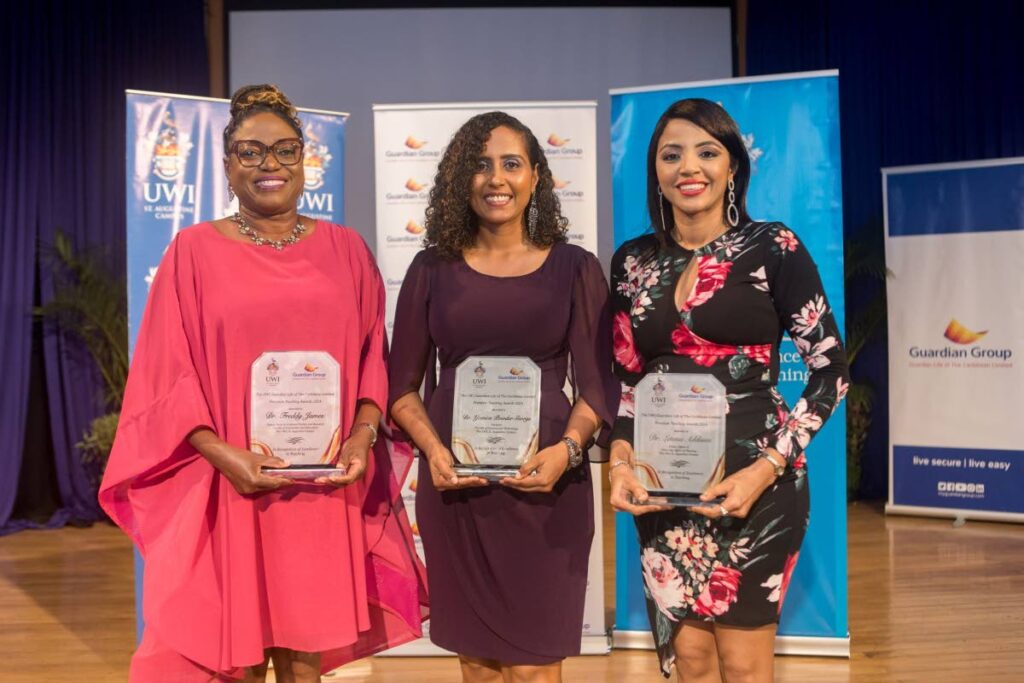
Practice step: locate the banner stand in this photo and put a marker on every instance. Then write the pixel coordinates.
(409, 140)
(954, 241)
(174, 178)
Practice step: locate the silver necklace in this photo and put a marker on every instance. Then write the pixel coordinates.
(260, 240)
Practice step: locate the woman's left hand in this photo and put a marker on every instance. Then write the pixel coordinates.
(540, 473)
(355, 453)
(741, 491)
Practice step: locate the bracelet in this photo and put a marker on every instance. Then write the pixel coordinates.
(368, 426)
(575, 452)
(616, 464)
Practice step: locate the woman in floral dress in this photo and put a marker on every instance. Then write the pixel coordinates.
(711, 291)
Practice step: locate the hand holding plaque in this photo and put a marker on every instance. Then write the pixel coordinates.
(679, 437)
(295, 406)
(496, 417)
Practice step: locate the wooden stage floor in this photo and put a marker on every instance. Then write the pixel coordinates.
(928, 602)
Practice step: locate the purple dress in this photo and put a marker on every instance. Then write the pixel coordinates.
(507, 570)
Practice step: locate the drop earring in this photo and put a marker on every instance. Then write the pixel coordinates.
(732, 214)
(531, 219)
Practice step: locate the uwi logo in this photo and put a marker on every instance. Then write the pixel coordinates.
(272, 369)
(659, 393)
(316, 160)
(170, 154)
(480, 371)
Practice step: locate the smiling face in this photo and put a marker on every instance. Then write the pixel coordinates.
(270, 188)
(693, 170)
(504, 180)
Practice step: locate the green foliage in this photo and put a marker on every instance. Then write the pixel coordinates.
(90, 305)
(866, 272)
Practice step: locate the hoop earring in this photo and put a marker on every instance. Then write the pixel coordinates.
(732, 214)
(661, 209)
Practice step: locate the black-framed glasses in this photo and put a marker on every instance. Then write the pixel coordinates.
(288, 151)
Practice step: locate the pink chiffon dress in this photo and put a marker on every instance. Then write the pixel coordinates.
(310, 568)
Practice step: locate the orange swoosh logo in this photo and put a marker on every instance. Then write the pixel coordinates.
(958, 334)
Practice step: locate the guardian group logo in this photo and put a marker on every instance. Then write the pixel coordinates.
(412, 192)
(559, 147)
(565, 191)
(964, 351)
(413, 148)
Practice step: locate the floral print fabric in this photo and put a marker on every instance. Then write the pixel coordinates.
(752, 285)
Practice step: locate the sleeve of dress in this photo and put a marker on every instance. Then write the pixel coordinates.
(164, 399)
(629, 366)
(412, 346)
(590, 344)
(373, 371)
(804, 311)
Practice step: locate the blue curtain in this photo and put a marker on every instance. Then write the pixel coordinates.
(65, 70)
(919, 83)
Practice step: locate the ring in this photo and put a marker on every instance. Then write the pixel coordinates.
(723, 511)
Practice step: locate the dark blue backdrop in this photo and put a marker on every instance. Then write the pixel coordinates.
(64, 70)
(919, 82)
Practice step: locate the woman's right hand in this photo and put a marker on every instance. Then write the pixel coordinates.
(242, 469)
(626, 489)
(444, 477)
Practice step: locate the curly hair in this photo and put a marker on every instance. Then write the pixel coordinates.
(254, 99)
(717, 122)
(451, 224)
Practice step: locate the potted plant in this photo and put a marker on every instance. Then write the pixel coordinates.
(90, 305)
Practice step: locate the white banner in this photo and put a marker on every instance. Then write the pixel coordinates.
(954, 244)
(408, 143)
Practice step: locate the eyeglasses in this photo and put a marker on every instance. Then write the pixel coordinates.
(288, 151)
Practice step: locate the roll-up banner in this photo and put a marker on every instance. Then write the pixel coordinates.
(790, 124)
(954, 243)
(409, 140)
(174, 172)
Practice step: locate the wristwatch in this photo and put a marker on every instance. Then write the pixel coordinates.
(575, 452)
(779, 469)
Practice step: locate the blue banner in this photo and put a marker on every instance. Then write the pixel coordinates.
(954, 244)
(174, 172)
(791, 128)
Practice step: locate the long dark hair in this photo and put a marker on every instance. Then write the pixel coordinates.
(717, 122)
(451, 224)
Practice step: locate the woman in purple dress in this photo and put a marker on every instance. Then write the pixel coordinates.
(507, 563)
(712, 291)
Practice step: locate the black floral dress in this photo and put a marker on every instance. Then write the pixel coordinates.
(753, 283)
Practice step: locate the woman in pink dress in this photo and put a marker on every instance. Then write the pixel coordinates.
(240, 565)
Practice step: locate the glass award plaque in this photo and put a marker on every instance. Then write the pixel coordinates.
(679, 437)
(496, 418)
(295, 405)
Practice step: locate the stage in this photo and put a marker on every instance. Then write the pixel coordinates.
(928, 602)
